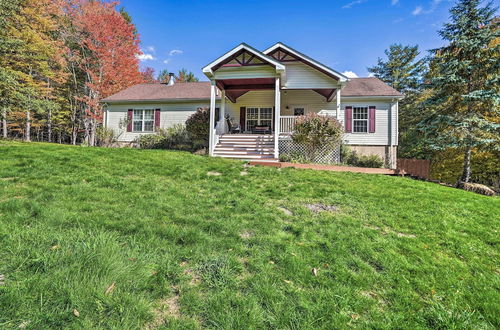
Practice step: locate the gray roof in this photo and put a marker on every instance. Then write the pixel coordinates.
(355, 87)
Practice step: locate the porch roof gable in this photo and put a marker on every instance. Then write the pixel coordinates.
(308, 60)
(208, 70)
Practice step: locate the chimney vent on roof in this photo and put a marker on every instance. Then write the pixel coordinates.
(171, 79)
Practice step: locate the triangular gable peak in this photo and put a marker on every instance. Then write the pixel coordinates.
(242, 56)
(283, 53)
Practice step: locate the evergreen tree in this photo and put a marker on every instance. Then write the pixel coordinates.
(185, 76)
(463, 106)
(403, 70)
(163, 76)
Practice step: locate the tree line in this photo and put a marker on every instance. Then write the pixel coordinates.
(58, 59)
(451, 110)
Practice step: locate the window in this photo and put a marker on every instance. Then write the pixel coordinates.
(258, 116)
(144, 120)
(298, 111)
(360, 119)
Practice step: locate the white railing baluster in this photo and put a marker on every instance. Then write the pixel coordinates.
(287, 124)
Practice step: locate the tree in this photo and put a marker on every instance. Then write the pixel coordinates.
(197, 126)
(463, 108)
(185, 76)
(404, 72)
(148, 75)
(163, 76)
(108, 50)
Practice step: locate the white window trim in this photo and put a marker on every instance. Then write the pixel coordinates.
(258, 107)
(142, 121)
(367, 119)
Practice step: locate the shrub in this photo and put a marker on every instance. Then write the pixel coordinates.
(314, 131)
(106, 137)
(176, 137)
(197, 125)
(151, 141)
(477, 188)
(351, 157)
(294, 157)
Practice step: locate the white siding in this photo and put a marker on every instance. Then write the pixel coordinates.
(300, 75)
(245, 72)
(170, 114)
(313, 102)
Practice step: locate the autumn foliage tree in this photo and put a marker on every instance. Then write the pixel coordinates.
(108, 49)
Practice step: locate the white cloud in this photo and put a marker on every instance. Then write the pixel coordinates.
(417, 11)
(166, 61)
(175, 52)
(355, 2)
(350, 74)
(151, 49)
(394, 2)
(145, 57)
(371, 74)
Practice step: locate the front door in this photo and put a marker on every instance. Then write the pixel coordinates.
(258, 116)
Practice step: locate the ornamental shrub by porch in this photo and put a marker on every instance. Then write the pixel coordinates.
(315, 131)
(197, 126)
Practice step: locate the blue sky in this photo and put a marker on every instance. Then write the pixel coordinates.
(347, 35)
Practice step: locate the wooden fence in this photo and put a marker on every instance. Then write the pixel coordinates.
(414, 167)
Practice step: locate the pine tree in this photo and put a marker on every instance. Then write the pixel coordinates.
(463, 108)
(185, 76)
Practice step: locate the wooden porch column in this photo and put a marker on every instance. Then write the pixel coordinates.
(211, 137)
(223, 110)
(338, 103)
(277, 109)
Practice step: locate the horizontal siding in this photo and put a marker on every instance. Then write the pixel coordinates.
(300, 75)
(381, 135)
(170, 115)
(257, 71)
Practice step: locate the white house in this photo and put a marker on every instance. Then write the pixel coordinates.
(263, 93)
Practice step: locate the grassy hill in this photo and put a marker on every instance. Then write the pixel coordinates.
(125, 238)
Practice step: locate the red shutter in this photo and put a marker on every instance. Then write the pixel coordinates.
(348, 119)
(130, 118)
(157, 118)
(371, 119)
(243, 111)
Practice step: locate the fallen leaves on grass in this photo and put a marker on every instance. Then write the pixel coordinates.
(76, 312)
(110, 288)
(54, 247)
(246, 235)
(166, 308)
(314, 271)
(2, 279)
(387, 230)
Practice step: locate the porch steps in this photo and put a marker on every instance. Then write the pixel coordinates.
(245, 146)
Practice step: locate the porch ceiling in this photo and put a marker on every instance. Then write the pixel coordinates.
(237, 87)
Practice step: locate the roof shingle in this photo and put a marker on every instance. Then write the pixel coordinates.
(201, 90)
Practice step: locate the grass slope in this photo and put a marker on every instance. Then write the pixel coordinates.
(185, 249)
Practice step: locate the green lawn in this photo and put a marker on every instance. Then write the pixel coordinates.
(189, 249)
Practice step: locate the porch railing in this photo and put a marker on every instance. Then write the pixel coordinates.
(287, 124)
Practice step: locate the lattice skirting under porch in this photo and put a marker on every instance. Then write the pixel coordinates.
(325, 154)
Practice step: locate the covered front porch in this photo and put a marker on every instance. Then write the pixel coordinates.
(257, 96)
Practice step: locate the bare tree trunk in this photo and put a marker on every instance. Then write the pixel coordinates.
(466, 167)
(92, 133)
(49, 125)
(27, 133)
(4, 123)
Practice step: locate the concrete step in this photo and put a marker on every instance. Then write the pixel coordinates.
(227, 148)
(242, 152)
(252, 157)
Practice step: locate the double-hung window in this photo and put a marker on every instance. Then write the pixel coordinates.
(360, 120)
(144, 120)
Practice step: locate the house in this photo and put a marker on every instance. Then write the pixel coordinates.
(263, 92)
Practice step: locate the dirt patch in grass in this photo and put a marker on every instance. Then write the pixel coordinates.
(317, 208)
(166, 308)
(285, 210)
(195, 278)
(246, 235)
(2, 279)
(8, 179)
(214, 173)
(243, 173)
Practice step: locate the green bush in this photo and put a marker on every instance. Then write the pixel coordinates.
(106, 136)
(294, 157)
(176, 138)
(351, 158)
(151, 141)
(315, 131)
(197, 126)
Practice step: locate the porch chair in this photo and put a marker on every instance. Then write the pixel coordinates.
(233, 128)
